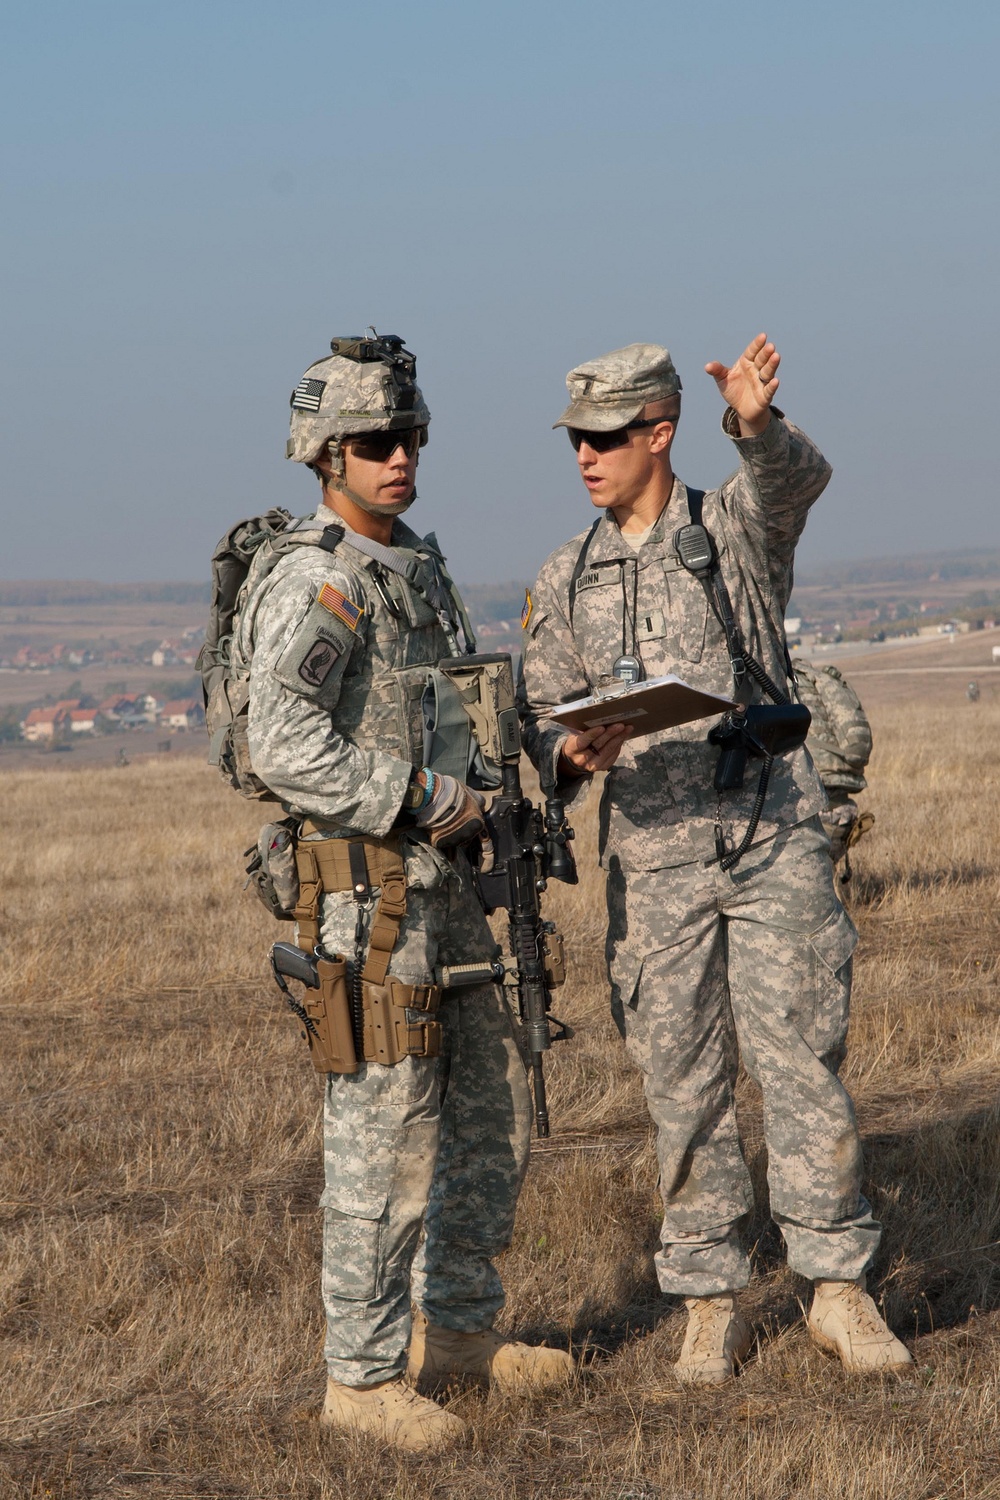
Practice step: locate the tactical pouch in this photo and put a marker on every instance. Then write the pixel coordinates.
(484, 686)
(331, 1044)
(272, 869)
(554, 960)
(390, 1032)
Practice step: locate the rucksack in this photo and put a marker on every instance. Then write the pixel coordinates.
(258, 542)
(840, 739)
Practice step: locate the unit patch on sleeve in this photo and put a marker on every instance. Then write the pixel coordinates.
(526, 609)
(338, 604)
(318, 662)
(308, 394)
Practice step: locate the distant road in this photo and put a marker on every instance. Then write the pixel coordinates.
(965, 671)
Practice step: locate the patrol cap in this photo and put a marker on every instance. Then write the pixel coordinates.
(611, 391)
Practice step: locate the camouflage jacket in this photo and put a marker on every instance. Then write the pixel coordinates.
(338, 650)
(660, 807)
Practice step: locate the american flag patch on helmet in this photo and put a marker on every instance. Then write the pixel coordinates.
(338, 604)
(308, 394)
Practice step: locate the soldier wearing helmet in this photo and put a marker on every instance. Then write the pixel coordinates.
(431, 1131)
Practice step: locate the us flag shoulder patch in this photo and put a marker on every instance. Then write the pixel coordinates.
(338, 604)
(526, 609)
(308, 394)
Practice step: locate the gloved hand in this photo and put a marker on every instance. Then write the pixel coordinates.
(454, 815)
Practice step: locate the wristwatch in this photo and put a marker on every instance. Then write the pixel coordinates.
(415, 795)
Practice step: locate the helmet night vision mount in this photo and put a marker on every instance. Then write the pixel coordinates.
(387, 349)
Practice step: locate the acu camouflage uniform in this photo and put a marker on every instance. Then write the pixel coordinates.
(706, 966)
(438, 1143)
(840, 743)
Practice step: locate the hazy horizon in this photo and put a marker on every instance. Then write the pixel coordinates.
(946, 564)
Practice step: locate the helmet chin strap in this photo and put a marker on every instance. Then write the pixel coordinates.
(337, 480)
(396, 508)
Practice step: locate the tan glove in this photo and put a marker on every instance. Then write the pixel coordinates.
(454, 815)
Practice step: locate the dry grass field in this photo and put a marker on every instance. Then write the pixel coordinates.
(160, 1324)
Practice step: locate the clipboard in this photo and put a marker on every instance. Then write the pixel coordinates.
(659, 703)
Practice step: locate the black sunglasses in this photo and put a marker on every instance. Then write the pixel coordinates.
(603, 442)
(378, 447)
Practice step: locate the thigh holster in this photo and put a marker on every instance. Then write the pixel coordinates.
(395, 1021)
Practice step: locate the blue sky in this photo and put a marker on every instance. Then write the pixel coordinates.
(196, 197)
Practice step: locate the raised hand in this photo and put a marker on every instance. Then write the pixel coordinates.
(749, 385)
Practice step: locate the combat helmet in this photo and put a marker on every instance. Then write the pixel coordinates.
(365, 385)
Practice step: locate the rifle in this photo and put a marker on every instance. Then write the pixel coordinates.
(529, 850)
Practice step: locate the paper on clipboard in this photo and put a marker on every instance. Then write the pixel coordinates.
(659, 703)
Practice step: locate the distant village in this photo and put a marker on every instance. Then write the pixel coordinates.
(46, 722)
(176, 653)
(71, 717)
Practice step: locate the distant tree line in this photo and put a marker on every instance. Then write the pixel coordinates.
(28, 592)
(486, 601)
(922, 567)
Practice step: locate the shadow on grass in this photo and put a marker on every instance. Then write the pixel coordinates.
(870, 890)
(934, 1186)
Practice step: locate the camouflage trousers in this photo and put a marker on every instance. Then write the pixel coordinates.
(439, 1144)
(708, 968)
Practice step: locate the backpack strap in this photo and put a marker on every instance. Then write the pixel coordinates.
(581, 563)
(696, 501)
(443, 597)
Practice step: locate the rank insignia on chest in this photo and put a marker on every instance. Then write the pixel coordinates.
(526, 609)
(338, 604)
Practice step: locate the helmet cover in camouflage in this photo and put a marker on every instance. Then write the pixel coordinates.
(611, 391)
(339, 397)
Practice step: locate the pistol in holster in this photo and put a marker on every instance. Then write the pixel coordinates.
(389, 1029)
(353, 1013)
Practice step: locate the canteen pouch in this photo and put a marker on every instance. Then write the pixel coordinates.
(272, 871)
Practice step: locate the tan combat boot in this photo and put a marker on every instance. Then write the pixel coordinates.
(438, 1353)
(393, 1413)
(717, 1339)
(844, 1320)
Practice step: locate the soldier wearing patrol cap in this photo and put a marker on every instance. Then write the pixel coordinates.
(725, 937)
(339, 638)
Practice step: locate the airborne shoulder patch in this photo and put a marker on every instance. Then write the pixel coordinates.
(526, 609)
(339, 605)
(318, 662)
